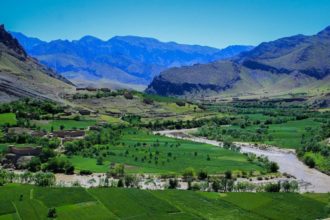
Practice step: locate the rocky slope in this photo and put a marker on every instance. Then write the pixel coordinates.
(120, 61)
(23, 76)
(287, 65)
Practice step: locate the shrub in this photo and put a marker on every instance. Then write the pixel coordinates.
(202, 175)
(309, 161)
(180, 103)
(128, 95)
(51, 213)
(189, 173)
(172, 183)
(85, 172)
(228, 174)
(273, 167)
(195, 187)
(148, 101)
(272, 187)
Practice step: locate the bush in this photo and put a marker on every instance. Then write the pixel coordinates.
(273, 167)
(180, 103)
(128, 95)
(228, 174)
(120, 183)
(189, 173)
(51, 213)
(85, 172)
(272, 187)
(148, 101)
(202, 175)
(173, 183)
(195, 187)
(309, 161)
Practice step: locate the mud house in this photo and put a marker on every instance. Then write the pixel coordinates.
(18, 157)
(68, 134)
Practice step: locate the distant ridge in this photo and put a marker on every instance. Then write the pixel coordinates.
(288, 65)
(121, 60)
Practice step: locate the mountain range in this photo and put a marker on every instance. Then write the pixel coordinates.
(297, 64)
(23, 76)
(122, 61)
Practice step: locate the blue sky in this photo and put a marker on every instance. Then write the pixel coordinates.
(216, 23)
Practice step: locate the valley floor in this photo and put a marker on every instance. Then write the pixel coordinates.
(311, 180)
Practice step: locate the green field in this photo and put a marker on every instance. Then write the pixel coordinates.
(143, 152)
(288, 135)
(285, 135)
(8, 118)
(68, 124)
(83, 163)
(116, 203)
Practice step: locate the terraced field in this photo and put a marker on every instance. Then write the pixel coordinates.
(30, 202)
(68, 124)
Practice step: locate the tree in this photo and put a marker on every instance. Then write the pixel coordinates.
(62, 127)
(216, 185)
(120, 183)
(272, 187)
(52, 213)
(99, 161)
(34, 164)
(273, 167)
(309, 161)
(117, 171)
(228, 174)
(189, 173)
(202, 175)
(44, 179)
(290, 186)
(172, 183)
(129, 180)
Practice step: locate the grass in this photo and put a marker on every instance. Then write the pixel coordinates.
(288, 135)
(90, 210)
(271, 205)
(8, 118)
(322, 163)
(83, 163)
(285, 135)
(128, 203)
(169, 156)
(118, 203)
(62, 196)
(68, 124)
(111, 120)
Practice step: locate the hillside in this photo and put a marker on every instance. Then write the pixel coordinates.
(23, 76)
(122, 61)
(288, 65)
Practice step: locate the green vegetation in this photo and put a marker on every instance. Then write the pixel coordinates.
(285, 125)
(143, 152)
(8, 119)
(66, 124)
(31, 202)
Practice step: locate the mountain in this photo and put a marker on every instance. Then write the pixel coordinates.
(128, 60)
(23, 76)
(287, 65)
